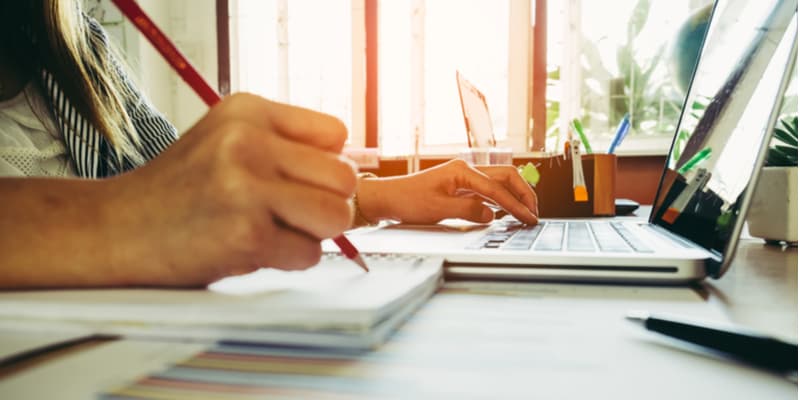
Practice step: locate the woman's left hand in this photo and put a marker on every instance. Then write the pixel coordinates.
(450, 190)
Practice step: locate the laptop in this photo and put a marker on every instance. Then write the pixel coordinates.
(475, 110)
(703, 194)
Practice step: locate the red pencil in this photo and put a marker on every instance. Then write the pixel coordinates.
(200, 86)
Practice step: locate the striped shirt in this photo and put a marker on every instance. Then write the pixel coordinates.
(89, 149)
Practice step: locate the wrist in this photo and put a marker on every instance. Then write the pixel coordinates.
(370, 201)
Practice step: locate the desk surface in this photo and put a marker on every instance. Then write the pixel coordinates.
(448, 349)
(760, 289)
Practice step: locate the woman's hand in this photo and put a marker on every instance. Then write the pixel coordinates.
(450, 190)
(253, 183)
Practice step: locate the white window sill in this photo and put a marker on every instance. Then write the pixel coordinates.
(631, 147)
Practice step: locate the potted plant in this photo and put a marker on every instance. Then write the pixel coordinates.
(773, 211)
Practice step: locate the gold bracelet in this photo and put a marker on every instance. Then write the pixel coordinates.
(358, 217)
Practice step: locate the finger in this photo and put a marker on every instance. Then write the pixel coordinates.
(511, 178)
(480, 183)
(299, 124)
(306, 164)
(291, 250)
(316, 212)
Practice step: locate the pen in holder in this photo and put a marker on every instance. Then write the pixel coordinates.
(580, 194)
(556, 190)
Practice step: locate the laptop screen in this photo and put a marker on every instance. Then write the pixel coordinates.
(476, 114)
(723, 131)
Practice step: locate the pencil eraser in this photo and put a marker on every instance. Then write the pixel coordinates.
(530, 174)
(670, 215)
(581, 194)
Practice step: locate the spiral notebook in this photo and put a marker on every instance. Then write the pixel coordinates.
(334, 304)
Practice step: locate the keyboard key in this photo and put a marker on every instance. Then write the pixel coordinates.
(494, 237)
(579, 238)
(608, 239)
(551, 237)
(635, 242)
(524, 238)
(477, 245)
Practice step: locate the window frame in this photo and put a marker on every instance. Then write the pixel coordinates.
(526, 63)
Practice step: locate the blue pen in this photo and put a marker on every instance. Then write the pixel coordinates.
(622, 130)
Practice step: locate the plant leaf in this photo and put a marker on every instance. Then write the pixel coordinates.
(776, 158)
(788, 150)
(784, 137)
(791, 129)
(653, 64)
(638, 18)
(624, 60)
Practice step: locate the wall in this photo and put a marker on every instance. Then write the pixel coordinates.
(191, 25)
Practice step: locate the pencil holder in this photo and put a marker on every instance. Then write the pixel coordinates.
(556, 192)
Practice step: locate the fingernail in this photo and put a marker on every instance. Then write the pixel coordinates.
(487, 214)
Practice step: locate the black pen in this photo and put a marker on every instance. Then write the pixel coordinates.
(747, 346)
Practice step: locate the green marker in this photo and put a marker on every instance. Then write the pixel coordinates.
(696, 159)
(576, 125)
(530, 174)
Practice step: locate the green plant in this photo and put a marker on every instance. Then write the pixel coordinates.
(553, 107)
(640, 88)
(783, 150)
(648, 97)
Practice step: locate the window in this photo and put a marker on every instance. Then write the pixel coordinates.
(423, 43)
(301, 52)
(620, 60)
(602, 62)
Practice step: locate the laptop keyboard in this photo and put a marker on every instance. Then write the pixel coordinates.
(577, 236)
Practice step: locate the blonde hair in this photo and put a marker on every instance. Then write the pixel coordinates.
(82, 63)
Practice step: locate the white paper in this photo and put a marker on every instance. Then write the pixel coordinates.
(336, 296)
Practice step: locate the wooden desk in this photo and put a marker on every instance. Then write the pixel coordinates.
(760, 289)
(505, 352)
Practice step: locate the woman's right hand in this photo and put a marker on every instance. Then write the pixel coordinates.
(254, 183)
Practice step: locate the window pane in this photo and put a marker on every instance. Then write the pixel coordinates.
(317, 54)
(257, 34)
(320, 56)
(627, 61)
(469, 36)
(394, 63)
(472, 37)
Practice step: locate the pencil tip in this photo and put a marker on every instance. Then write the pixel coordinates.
(360, 261)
